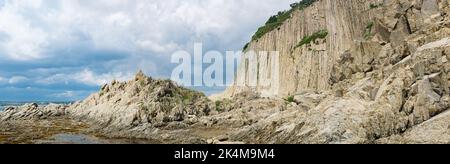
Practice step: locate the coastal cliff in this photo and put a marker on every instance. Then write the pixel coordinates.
(353, 72)
(382, 66)
(351, 26)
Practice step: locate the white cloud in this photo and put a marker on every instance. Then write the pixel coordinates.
(90, 78)
(66, 37)
(86, 77)
(13, 80)
(24, 41)
(35, 26)
(27, 3)
(3, 80)
(66, 94)
(156, 47)
(118, 19)
(17, 79)
(69, 95)
(54, 79)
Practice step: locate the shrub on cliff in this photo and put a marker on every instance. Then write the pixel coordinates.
(290, 99)
(302, 4)
(311, 38)
(368, 31)
(273, 23)
(245, 46)
(277, 20)
(374, 6)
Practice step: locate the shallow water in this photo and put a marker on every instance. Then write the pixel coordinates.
(85, 139)
(75, 139)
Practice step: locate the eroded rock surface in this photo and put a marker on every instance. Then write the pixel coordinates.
(382, 75)
(389, 77)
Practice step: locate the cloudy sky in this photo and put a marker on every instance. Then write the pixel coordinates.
(66, 49)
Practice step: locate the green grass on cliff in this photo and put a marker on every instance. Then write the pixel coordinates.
(368, 31)
(313, 37)
(374, 6)
(290, 99)
(218, 106)
(273, 23)
(277, 20)
(246, 46)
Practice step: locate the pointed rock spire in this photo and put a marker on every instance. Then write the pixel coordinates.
(140, 75)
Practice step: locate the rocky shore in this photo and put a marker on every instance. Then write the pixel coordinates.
(120, 113)
(390, 83)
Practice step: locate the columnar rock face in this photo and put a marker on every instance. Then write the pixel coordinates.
(308, 66)
(385, 63)
(350, 24)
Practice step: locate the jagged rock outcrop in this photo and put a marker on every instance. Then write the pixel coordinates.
(32, 111)
(143, 102)
(143, 107)
(433, 131)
